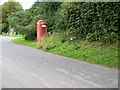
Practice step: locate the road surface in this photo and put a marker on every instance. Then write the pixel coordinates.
(26, 67)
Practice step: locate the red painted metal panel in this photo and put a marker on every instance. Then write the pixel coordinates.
(40, 31)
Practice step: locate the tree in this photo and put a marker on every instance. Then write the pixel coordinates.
(0, 18)
(9, 8)
(83, 20)
(25, 21)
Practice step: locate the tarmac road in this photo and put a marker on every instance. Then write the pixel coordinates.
(26, 67)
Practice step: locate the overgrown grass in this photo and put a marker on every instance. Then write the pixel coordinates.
(106, 55)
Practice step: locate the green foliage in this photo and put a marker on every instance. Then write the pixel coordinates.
(91, 21)
(52, 41)
(106, 55)
(82, 20)
(25, 21)
(9, 8)
(49, 10)
(22, 41)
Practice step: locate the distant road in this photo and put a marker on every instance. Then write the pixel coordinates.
(25, 67)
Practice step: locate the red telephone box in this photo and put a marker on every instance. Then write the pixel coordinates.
(42, 30)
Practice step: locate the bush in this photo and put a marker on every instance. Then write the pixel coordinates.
(91, 21)
(84, 20)
(52, 41)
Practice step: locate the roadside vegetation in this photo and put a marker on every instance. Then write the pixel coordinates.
(86, 31)
(95, 53)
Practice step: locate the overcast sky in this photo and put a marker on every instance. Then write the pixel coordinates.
(25, 3)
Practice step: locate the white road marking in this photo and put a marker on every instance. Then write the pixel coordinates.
(77, 77)
(45, 63)
(46, 84)
(89, 82)
(62, 70)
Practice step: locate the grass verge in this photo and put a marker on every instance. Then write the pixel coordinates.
(106, 55)
(22, 41)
